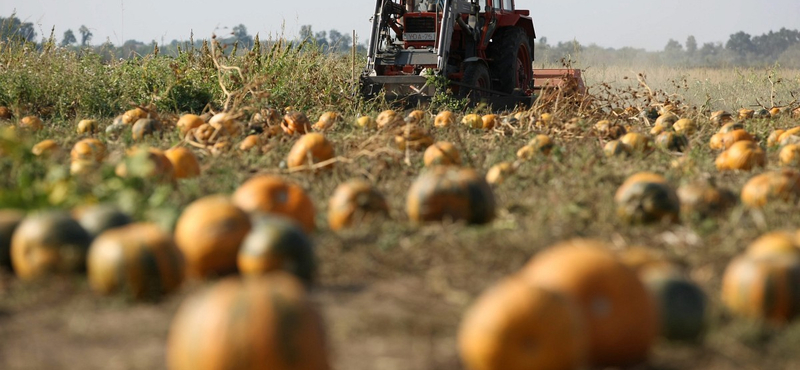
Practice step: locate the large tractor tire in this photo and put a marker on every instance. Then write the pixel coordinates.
(512, 60)
(476, 74)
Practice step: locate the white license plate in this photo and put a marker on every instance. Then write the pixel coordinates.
(427, 36)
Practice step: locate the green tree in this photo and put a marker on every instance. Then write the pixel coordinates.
(673, 47)
(86, 35)
(691, 45)
(12, 28)
(240, 34)
(69, 38)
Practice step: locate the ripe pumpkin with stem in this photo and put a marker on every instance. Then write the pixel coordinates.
(472, 121)
(276, 243)
(446, 192)
(139, 260)
(620, 315)
(48, 243)
(273, 194)
(516, 326)
(441, 153)
(184, 162)
(309, 150)
(444, 119)
(783, 185)
(355, 202)
(263, 322)
(389, 119)
(209, 232)
(646, 197)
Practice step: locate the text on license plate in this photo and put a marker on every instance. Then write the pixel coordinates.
(427, 36)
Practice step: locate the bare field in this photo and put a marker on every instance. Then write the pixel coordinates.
(392, 295)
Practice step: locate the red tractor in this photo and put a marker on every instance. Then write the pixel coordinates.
(483, 47)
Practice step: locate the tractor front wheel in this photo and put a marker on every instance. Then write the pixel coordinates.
(476, 74)
(512, 62)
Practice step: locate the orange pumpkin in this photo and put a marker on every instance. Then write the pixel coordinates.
(9, 220)
(32, 123)
(150, 163)
(790, 155)
(489, 121)
(742, 155)
(441, 153)
(417, 115)
(616, 148)
(730, 138)
(730, 127)
(353, 202)
(295, 122)
(48, 243)
(87, 126)
(663, 123)
(327, 120)
(272, 194)
(778, 185)
(542, 144)
(139, 260)
(647, 197)
(774, 138)
(250, 142)
(412, 137)
(131, 116)
(276, 244)
(262, 323)
(311, 149)
(764, 287)
(636, 141)
(209, 232)
(685, 126)
(499, 173)
(88, 150)
(447, 192)
(776, 242)
(389, 119)
(184, 162)
(226, 125)
(610, 131)
(515, 326)
(47, 148)
(621, 316)
(444, 119)
(187, 122)
(704, 199)
(745, 113)
(203, 133)
(715, 143)
(775, 112)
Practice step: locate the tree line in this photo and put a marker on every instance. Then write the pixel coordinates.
(741, 49)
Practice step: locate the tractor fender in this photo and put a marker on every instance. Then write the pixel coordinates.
(518, 20)
(470, 60)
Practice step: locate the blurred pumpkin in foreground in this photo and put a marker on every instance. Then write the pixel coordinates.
(276, 243)
(273, 194)
(781, 185)
(48, 243)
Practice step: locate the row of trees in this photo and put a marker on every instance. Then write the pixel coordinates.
(741, 49)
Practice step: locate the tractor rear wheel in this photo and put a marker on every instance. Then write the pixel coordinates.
(476, 74)
(512, 62)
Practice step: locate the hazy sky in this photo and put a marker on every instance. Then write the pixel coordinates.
(613, 23)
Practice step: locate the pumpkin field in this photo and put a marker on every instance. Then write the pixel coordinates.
(246, 210)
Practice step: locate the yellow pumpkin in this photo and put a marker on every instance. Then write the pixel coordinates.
(721, 117)
(732, 137)
(615, 148)
(327, 120)
(730, 127)
(636, 141)
(489, 121)
(87, 126)
(790, 155)
(685, 126)
(226, 125)
(413, 137)
(389, 119)
(499, 173)
(47, 148)
(774, 138)
(472, 121)
(366, 122)
(131, 116)
(417, 115)
(745, 113)
(32, 123)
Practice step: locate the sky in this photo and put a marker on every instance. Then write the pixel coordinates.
(644, 24)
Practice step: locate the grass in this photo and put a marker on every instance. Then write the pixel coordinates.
(393, 291)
